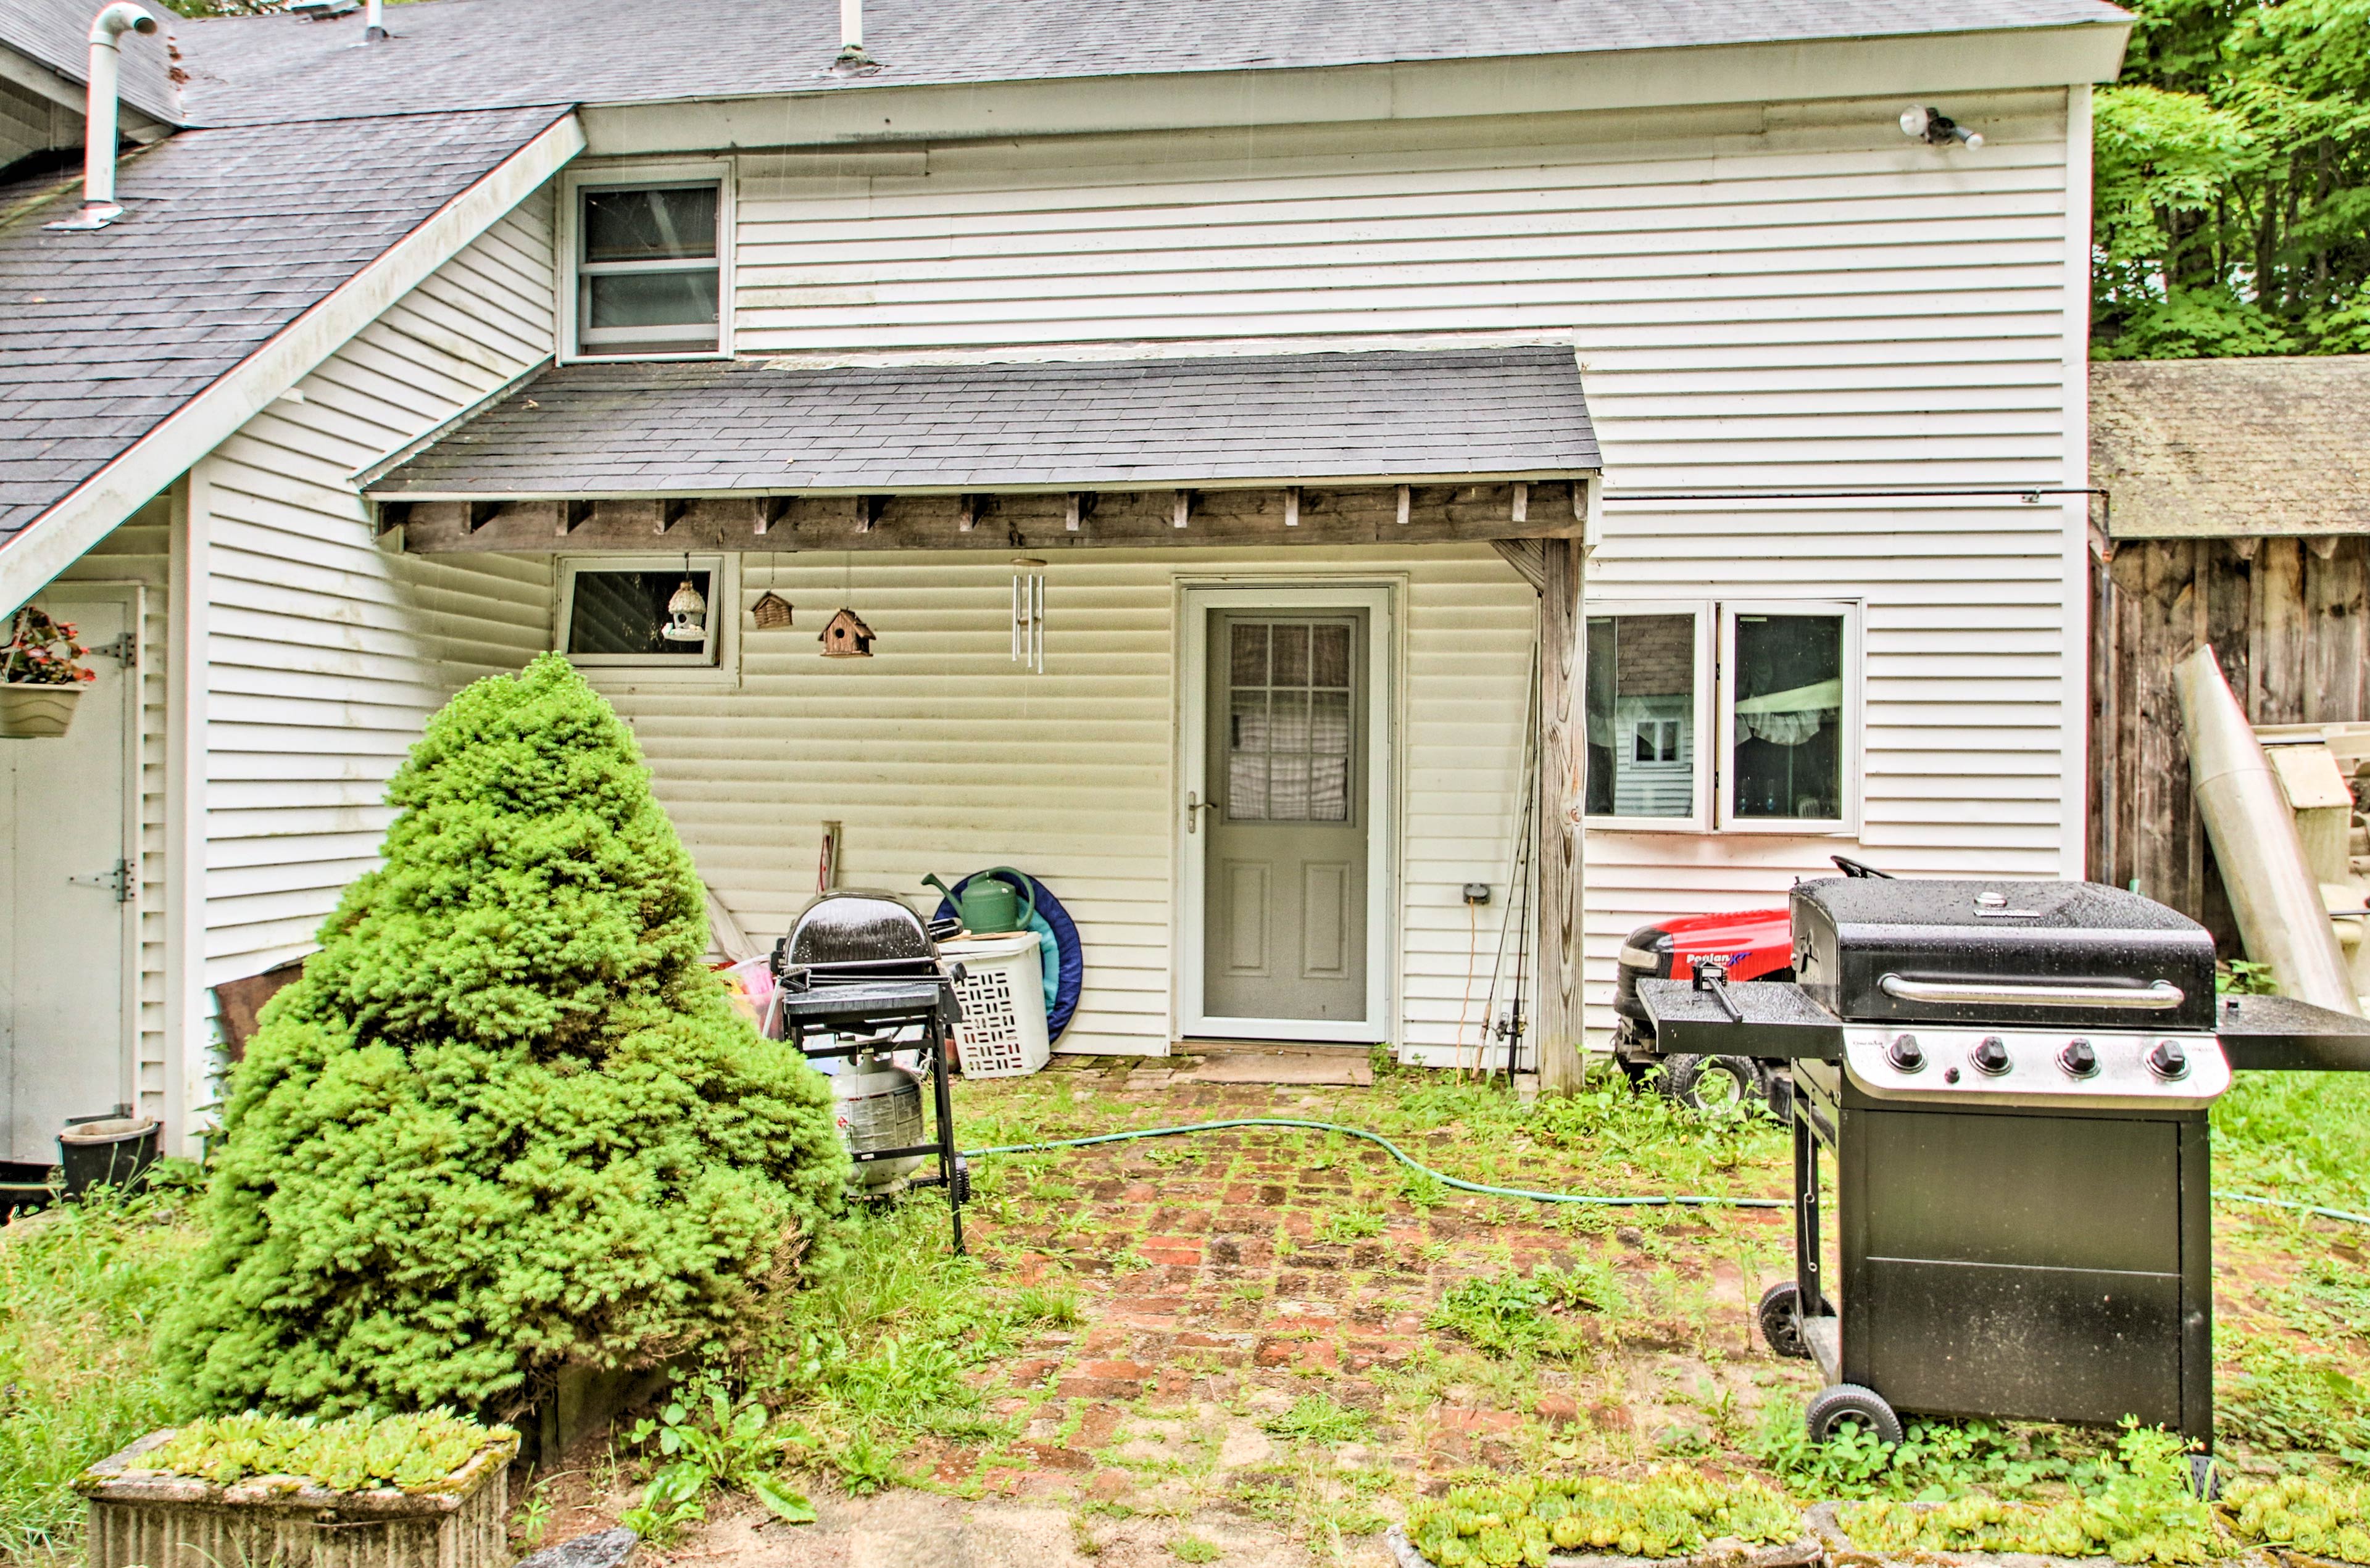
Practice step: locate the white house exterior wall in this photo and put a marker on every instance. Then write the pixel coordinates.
(326, 652)
(939, 754)
(1788, 297)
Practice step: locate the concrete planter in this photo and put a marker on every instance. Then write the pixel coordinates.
(36, 712)
(142, 1519)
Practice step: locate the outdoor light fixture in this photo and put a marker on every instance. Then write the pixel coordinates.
(687, 612)
(1937, 129)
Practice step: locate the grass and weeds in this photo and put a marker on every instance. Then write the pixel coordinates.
(81, 1287)
(1511, 1315)
(1318, 1419)
(1665, 1513)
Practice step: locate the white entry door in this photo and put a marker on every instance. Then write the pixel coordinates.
(1286, 814)
(69, 863)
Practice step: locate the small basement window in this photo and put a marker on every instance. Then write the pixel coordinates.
(648, 275)
(614, 612)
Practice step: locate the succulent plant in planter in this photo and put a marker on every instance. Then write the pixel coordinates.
(406, 1492)
(41, 676)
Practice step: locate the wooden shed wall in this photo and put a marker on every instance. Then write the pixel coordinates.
(2286, 617)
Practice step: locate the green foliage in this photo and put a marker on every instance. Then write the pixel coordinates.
(2304, 1513)
(1652, 1134)
(2241, 976)
(711, 1441)
(411, 1453)
(2285, 1398)
(1523, 1315)
(507, 1120)
(1192, 1549)
(1666, 1513)
(2232, 182)
(2303, 1136)
(80, 1290)
(1317, 1419)
(1351, 1225)
(2141, 1510)
(1938, 1460)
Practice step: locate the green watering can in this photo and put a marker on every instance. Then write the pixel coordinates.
(989, 902)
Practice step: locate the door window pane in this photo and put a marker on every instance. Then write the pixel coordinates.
(1787, 709)
(1642, 716)
(1290, 729)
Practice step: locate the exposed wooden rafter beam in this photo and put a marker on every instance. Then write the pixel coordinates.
(1141, 519)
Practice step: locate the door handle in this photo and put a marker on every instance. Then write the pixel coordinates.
(1194, 807)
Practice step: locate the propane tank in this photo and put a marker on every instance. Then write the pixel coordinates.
(879, 1105)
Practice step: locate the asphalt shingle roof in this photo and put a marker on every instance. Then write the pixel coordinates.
(227, 236)
(759, 426)
(2216, 448)
(57, 33)
(468, 53)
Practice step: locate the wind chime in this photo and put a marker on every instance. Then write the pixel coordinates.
(1029, 613)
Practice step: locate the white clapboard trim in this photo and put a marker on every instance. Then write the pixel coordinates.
(326, 652)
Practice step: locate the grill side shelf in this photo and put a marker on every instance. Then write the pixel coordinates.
(1780, 1020)
(2278, 1034)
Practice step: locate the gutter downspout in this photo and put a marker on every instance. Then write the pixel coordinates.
(100, 134)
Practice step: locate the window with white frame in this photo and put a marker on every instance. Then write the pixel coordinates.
(634, 611)
(1762, 736)
(648, 268)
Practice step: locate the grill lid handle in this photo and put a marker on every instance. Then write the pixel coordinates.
(2155, 997)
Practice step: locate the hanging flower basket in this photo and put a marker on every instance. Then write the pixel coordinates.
(41, 677)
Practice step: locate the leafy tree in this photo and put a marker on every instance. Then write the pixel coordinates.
(2233, 182)
(506, 1121)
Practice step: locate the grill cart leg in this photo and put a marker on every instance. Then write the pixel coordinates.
(951, 1169)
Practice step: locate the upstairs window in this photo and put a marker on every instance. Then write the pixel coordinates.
(649, 269)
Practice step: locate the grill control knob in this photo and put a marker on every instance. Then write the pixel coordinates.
(2169, 1060)
(1904, 1053)
(2079, 1059)
(1991, 1055)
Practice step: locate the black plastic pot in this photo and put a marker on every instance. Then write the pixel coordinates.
(112, 1151)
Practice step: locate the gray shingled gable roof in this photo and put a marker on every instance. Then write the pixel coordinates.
(460, 53)
(756, 426)
(2217, 448)
(57, 34)
(227, 236)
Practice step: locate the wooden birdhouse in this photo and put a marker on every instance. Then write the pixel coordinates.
(846, 637)
(771, 612)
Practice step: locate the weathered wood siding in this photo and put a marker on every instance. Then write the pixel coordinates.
(2289, 619)
(326, 652)
(1789, 297)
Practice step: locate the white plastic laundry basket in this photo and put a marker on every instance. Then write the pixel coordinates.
(1003, 1030)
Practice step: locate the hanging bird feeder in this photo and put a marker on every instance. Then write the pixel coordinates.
(846, 637)
(687, 612)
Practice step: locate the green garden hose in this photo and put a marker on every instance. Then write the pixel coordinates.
(1595, 1200)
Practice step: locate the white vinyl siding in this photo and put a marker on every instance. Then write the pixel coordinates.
(1782, 297)
(940, 754)
(326, 651)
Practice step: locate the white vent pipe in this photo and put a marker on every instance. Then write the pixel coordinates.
(100, 132)
(851, 26)
(374, 20)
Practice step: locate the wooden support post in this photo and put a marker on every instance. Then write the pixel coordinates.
(1563, 756)
(1292, 505)
(770, 511)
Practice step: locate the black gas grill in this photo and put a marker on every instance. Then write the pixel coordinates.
(2013, 1079)
(860, 975)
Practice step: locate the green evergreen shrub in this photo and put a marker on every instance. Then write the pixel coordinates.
(507, 1120)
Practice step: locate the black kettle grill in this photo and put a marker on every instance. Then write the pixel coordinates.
(858, 970)
(2014, 1079)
